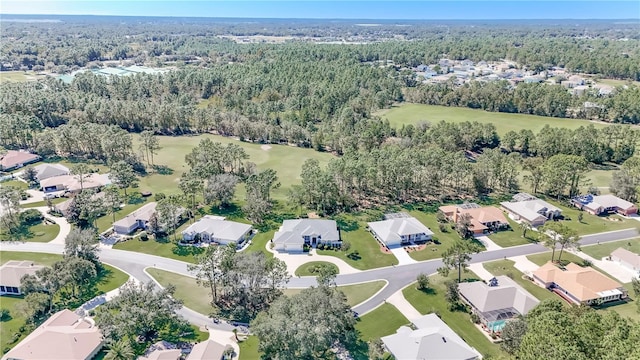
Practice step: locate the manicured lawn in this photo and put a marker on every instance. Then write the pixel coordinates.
(592, 224)
(308, 269)
(355, 293)
(511, 236)
(44, 203)
(162, 247)
(382, 321)
(36, 233)
(505, 267)
(39, 258)
(16, 184)
(602, 250)
(286, 160)
(427, 302)
(432, 250)
(260, 242)
(112, 278)
(413, 113)
(249, 349)
(11, 326)
(194, 296)
(542, 258)
(365, 251)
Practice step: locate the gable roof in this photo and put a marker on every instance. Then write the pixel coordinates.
(507, 295)
(218, 227)
(293, 231)
(72, 182)
(143, 214)
(432, 340)
(45, 171)
(592, 202)
(530, 209)
(207, 350)
(393, 229)
(627, 256)
(163, 354)
(12, 271)
(15, 158)
(71, 336)
(584, 283)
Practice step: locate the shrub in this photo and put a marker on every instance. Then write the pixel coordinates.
(144, 236)
(423, 281)
(4, 314)
(443, 228)
(31, 217)
(345, 246)
(160, 196)
(475, 318)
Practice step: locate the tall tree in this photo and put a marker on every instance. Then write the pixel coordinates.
(10, 202)
(112, 200)
(458, 255)
(83, 244)
(190, 185)
(149, 144)
(81, 171)
(221, 188)
(208, 270)
(168, 212)
(30, 175)
(122, 174)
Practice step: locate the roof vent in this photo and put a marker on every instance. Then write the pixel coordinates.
(444, 340)
(493, 282)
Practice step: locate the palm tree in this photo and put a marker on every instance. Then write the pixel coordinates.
(549, 238)
(120, 350)
(525, 226)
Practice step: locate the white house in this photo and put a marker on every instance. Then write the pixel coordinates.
(294, 234)
(217, 230)
(138, 219)
(627, 259)
(12, 272)
(531, 209)
(399, 229)
(45, 171)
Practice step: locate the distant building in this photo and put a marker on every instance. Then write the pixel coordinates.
(483, 218)
(209, 350)
(72, 183)
(215, 229)
(293, 235)
(399, 229)
(531, 209)
(14, 159)
(12, 272)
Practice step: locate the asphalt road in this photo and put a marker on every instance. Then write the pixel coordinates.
(397, 277)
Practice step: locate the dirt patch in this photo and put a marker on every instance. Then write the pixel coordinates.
(415, 248)
(265, 147)
(313, 215)
(385, 250)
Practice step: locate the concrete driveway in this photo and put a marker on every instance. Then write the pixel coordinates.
(401, 254)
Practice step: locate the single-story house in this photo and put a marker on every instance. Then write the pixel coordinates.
(208, 350)
(627, 259)
(579, 285)
(64, 207)
(496, 302)
(399, 229)
(531, 209)
(432, 339)
(45, 171)
(604, 204)
(483, 218)
(12, 272)
(293, 235)
(217, 230)
(65, 335)
(163, 354)
(71, 183)
(14, 159)
(138, 219)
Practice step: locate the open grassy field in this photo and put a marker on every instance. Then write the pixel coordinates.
(413, 113)
(601, 250)
(309, 269)
(433, 300)
(16, 184)
(18, 76)
(286, 160)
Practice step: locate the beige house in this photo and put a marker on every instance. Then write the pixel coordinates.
(139, 219)
(64, 336)
(483, 218)
(627, 259)
(71, 183)
(14, 159)
(209, 350)
(12, 272)
(579, 285)
(530, 209)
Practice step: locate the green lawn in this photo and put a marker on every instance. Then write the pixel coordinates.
(542, 258)
(433, 251)
(162, 247)
(308, 269)
(592, 224)
(16, 184)
(39, 258)
(505, 267)
(37, 233)
(460, 322)
(259, 243)
(44, 203)
(249, 348)
(365, 251)
(413, 113)
(382, 321)
(286, 160)
(194, 296)
(601, 250)
(11, 326)
(511, 236)
(355, 293)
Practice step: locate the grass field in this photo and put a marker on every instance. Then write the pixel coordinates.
(309, 269)
(162, 247)
(259, 243)
(601, 250)
(365, 251)
(286, 160)
(249, 348)
(427, 302)
(39, 258)
(194, 296)
(413, 113)
(16, 184)
(37, 233)
(43, 203)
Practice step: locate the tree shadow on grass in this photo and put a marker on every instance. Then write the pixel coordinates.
(182, 250)
(231, 211)
(347, 224)
(359, 350)
(163, 170)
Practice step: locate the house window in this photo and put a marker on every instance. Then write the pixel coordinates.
(2, 289)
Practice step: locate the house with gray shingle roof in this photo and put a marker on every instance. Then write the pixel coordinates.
(215, 229)
(45, 171)
(432, 339)
(12, 272)
(293, 235)
(399, 229)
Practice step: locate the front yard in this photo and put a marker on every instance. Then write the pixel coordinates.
(37, 233)
(161, 247)
(445, 239)
(382, 321)
(603, 250)
(512, 236)
(309, 269)
(433, 301)
(592, 224)
(542, 258)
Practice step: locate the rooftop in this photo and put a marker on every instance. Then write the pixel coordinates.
(293, 231)
(218, 227)
(493, 301)
(15, 158)
(393, 229)
(584, 283)
(144, 213)
(627, 256)
(12, 271)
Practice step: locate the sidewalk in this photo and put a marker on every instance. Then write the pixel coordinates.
(65, 227)
(398, 300)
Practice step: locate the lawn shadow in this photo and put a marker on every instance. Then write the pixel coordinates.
(163, 170)
(231, 211)
(359, 350)
(347, 224)
(355, 256)
(186, 250)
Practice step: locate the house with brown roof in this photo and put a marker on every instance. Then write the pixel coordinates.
(15, 159)
(12, 272)
(579, 285)
(64, 336)
(483, 218)
(627, 259)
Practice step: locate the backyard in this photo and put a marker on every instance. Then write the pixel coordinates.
(433, 301)
(413, 113)
(603, 250)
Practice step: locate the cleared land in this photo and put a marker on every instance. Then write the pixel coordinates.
(286, 160)
(406, 114)
(602, 250)
(433, 301)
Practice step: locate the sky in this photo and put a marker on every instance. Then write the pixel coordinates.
(427, 10)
